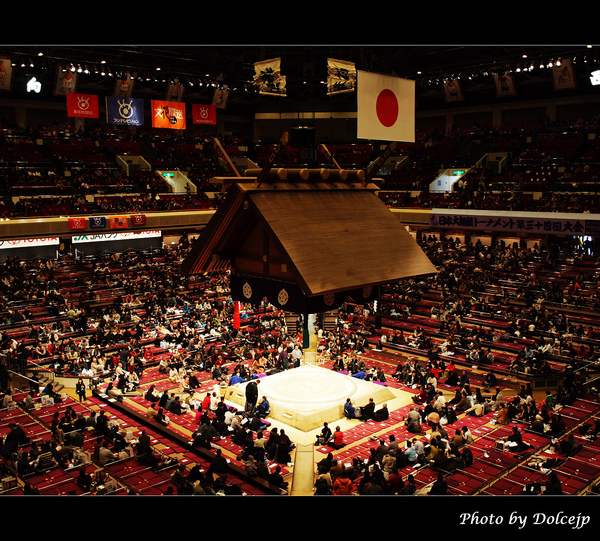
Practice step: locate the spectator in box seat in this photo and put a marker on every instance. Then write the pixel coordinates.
(349, 411)
(45, 459)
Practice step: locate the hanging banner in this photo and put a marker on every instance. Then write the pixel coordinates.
(6, 73)
(124, 111)
(174, 90)
(82, 105)
(563, 76)
(341, 76)
(452, 91)
(288, 296)
(97, 222)
(138, 219)
(514, 222)
(118, 222)
(66, 81)
(76, 223)
(236, 314)
(124, 85)
(505, 85)
(385, 107)
(220, 97)
(204, 114)
(168, 114)
(268, 78)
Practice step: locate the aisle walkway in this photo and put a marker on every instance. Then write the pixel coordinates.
(304, 471)
(303, 479)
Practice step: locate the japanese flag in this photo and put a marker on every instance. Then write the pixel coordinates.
(385, 107)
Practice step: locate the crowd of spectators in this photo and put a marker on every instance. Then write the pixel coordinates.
(75, 328)
(557, 160)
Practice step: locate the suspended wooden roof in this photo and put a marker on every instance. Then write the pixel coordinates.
(324, 236)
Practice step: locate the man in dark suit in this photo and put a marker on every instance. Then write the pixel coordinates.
(251, 396)
(367, 410)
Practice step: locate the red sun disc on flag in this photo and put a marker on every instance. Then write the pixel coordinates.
(387, 108)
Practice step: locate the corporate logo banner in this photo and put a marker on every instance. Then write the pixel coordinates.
(105, 237)
(118, 222)
(124, 111)
(76, 223)
(168, 114)
(27, 243)
(138, 219)
(82, 105)
(204, 114)
(97, 222)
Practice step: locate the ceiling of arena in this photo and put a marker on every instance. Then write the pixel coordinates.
(305, 67)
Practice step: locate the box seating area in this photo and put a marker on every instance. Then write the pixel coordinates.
(493, 471)
(497, 306)
(91, 284)
(125, 476)
(536, 158)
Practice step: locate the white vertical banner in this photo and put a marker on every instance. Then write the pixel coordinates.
(385, 107)
(563, 76)
(453, 91)
(505, 84)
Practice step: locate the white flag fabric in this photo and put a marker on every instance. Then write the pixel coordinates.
(385, 107)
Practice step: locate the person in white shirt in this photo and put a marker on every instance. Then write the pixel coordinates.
(440, 401)
(229, 415)
(214, 400)
(296, 356)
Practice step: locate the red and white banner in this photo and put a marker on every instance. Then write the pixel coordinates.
(82, 105)
(204, 114)
(236, 314)
(77, 223)
(385, 107)
(28, 243)
(138, 219)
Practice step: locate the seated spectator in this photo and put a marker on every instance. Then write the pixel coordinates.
(275, 478)
(264, 408)
(45, 459)
(337, 442)
(382, 414)
(349, 410)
